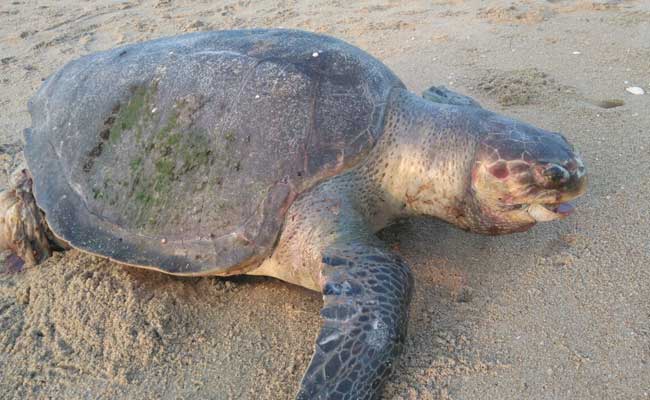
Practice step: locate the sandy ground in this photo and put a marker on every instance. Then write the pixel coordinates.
(559, 312)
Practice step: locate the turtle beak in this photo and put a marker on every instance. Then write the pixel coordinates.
(549, 212)
(576, 184)
(569, 180)
(567, 177)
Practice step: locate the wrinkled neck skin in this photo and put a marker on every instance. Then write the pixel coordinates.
(422, 165)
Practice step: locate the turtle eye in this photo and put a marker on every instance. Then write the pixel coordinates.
(556, 174)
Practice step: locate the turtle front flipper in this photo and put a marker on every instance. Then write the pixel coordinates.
(328, 244)
(366, 293)
(440, 94)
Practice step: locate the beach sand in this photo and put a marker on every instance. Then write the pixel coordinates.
(559, 312)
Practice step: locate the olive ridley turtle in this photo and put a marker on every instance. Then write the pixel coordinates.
(278, 153)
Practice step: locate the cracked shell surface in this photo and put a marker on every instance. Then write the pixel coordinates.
(183, 154)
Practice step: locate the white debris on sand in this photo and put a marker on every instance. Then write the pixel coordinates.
(635, 90)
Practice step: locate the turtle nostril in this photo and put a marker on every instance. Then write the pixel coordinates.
(556, 174)
(580, 167)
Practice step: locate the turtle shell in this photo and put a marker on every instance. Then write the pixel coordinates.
(183, 154)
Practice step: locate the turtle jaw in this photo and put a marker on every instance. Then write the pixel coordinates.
(549, 212)
(559, 205)
(520, 205)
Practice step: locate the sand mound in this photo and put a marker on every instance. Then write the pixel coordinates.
(89, 316)
(518, 87)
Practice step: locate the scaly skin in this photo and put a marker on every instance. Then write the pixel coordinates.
(425, 164)
(328, 244)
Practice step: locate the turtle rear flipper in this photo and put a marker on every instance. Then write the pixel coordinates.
(23, 230)
(366, 293)
(440, 94)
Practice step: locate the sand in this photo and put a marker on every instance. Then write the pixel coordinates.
(559, 312)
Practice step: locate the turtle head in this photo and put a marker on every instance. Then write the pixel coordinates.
(473, 168)
(521, 175)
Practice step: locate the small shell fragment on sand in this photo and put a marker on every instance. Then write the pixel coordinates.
(314, 54)
(635, 90)
(610, 103)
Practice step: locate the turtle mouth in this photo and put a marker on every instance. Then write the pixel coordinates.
(551, 211)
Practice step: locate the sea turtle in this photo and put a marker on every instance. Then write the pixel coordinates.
(278, 153)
